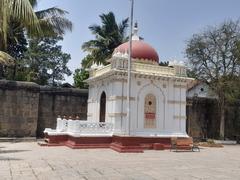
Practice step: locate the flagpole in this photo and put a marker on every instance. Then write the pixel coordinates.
(129, 72)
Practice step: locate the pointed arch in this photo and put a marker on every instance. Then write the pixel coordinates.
(102, 114)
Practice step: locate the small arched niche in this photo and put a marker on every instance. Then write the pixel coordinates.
(150, 111)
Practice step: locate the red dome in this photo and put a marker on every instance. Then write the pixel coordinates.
(140, 50)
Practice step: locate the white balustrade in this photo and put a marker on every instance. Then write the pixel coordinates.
(102, 70)
(61, 125)
(137, 67)
(148, 68)
(83, 127)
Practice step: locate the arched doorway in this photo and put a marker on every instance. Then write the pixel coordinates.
(102, 107)
(150, 111)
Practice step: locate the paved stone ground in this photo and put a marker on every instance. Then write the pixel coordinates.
(28, 161)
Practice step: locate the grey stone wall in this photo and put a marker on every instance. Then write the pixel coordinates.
(18, 108)
(26, 109)
(60, 101)
(203, 119)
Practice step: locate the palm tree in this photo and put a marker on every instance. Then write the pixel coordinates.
(48, 22)
(41, 23)
(20, 10)
(108, 36)
(52, 20)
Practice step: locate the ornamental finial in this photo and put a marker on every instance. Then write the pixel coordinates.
(135, 32)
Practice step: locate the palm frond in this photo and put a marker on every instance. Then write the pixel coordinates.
(108, 36)
(53, 11)
(52, 21)
(123, 27)
(6, 59)
(23, 11)
(33, 3)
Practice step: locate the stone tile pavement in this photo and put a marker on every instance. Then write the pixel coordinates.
(28, 161)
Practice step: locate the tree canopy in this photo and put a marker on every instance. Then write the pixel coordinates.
(108, 36)
(45, 63)
(213, 56)
(18, 15)
(16, 31)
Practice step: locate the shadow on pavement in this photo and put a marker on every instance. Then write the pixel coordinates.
(9, 159)
(12, 151)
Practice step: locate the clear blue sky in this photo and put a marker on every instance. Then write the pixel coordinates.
(165, 24)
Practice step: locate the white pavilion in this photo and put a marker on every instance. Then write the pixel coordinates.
(157, 103)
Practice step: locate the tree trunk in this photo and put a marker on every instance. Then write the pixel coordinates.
(222, 120)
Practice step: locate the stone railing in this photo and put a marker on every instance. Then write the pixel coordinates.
(102, 70)
(153, 69)
(141, 68)
(83, 127)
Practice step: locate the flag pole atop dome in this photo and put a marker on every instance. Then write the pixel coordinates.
(128, 124)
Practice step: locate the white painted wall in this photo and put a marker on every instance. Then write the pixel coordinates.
(171, 105)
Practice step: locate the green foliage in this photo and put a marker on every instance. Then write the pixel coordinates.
(79, 76)
(45, 63)
(18, 10)
(214, 59)
(52, 20)
(82, 74)
(87, 61)
(49, 22)
(108, 36)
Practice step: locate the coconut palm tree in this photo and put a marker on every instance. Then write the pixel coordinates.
(46, 22)
(20, 10)
(108, 36)
(52, 20)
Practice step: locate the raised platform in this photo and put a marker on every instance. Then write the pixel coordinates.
(123, 144)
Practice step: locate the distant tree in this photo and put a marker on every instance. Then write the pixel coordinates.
(79, 76)
(45, 62)
(213, 58)
(108, 36)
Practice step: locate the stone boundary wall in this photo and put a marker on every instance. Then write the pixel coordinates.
(60, 101)
(203, 119)
(26, 108)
